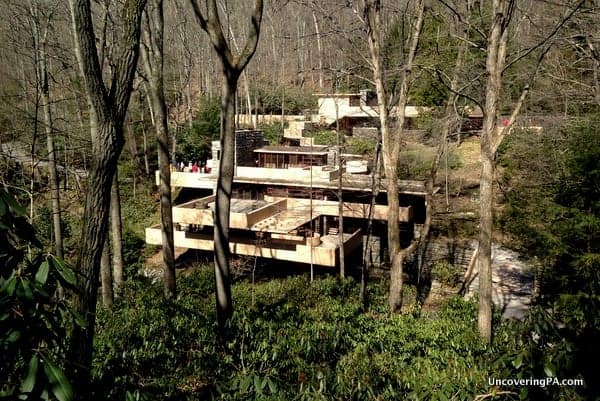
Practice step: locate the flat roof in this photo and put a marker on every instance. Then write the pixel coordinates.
(329, 95)
(350, 182)
(285, 221)
(241, 205)
(297, 150)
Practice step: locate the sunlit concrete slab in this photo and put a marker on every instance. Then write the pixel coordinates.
(319, 251)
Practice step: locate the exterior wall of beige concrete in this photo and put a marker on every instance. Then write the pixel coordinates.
(297, 174)
(334, 107)
(246, 120)
(338, 106)
(199, 212)
(319, 252)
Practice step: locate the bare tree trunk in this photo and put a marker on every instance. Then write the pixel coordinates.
(108, 108)
(491, 138)
(449, 123)
(133, 151)
(145, 143)
(375, 181)
(116, 234)
(391, 140)
(152, 56)
(484, 260)
(496, 47)
(106, 277)
(341, 214)
(42, 78)
(95, 224)
(340, 138)
(132, 142)
(319, 50)
(232, 66)
(223, 199)
(248, 100)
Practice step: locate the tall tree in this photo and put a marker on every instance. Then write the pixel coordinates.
(106, 278)
(41, 26)
(107, 107)
(496, 56)
(116, 233)
(391, 138)
(492, 136)
(152, 56)
(232, 66)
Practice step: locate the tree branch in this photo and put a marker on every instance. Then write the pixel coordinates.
(87, 54)
(547, 38)
(129, 53)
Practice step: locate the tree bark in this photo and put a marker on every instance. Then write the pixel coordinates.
(223, 199)
(231, 67)
(39, 39)
(491, 138)
(116, 233)
(152, 56)
(496, 48)
(319, 50)
(341, 209)
(106, 277)
(391, 140)
(108, 107)
(145, 140)
(133, 152)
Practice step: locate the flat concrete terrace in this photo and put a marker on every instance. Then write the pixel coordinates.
(280, 215)
(317, 177)
(322, 251)
(277, 228)
(284, 222)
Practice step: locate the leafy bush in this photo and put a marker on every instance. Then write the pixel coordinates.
(447, 273)
(288, 339)
(324, 137)
(557, 220)
(360, 146)
(33, 320)
(273, 133)
(415, 161)
(194, 144)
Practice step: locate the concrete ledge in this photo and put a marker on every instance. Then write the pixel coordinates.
(300, 253)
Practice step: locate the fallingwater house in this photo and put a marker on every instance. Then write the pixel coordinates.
(285, 205)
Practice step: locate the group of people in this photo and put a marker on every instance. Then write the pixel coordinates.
(190, 168)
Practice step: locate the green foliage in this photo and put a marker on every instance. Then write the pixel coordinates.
(133, 252)
(195, 143)
(428, 93)
(324, 137)
(361, 146)
(289, 340)
(273, 133)
(45, 230)
(446, 273)
(558, 220)
(139, 211)
(32, 320)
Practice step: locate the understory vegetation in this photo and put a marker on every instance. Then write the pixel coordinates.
(292, 340)
(552, 201)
